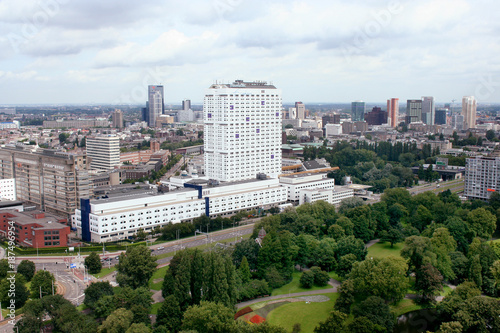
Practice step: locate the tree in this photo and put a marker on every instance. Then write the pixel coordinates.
(392, 236)
(482, 222)
(136, 267)
(428, 281)
(4, 268)
(421, 218)
(27, 269)
(397, 195)
(104, 306)
(95, 291)
(452, 303)
(334, 323)
(344, 264)
(42, 283)
(417, 249)
(377, 311)
(169, 314)
(363, 325)
(490, 134)
(138, 328)
(244, 270)
(352, 245)
(117, 322)
(479, 314)
(383, 277)
(219, 284)
(321, 278)
(307, 279)
(451, 327)
(350, 203)
(20, 295)
(93, 263)
(209, 317)
(63, 137)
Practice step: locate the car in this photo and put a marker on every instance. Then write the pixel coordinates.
(160, 248)
(117, 257)
(152, 250)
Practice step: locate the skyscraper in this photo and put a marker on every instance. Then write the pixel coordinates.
(440, 118)
(156, 105)
(482, 177)
(186, 104)
(469, 111)
(103, 151)
(242, 130)
(428, 110)
(393, 111)
(413, 110)
(358, 111)
(301, 110)
(117, 118)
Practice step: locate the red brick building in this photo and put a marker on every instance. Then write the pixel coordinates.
(35, 229)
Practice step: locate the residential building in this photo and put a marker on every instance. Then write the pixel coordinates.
(103, 151)
(185, 115)
(413, 111)
(53, 181)
(358, 111)
(428, 110)
(469, 111)
(242, 133)
(457, 122)
(393, 111)
(482, 177)
(156, 104)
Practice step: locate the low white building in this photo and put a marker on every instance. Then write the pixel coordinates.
(117, 218)
(296, 183)
(332, 196)
(8, 189)
(333, 129)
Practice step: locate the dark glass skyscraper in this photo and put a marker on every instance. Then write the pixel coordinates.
(358, 111)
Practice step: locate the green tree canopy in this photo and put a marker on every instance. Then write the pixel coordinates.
(42, 283)
(26, 268)
(136, 267)
(93, 263)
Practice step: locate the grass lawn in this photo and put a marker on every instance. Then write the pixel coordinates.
(81, 307)
(404, 306)
(308, 315)
(382, 250)
(294, 286)
(104, 271)
(158, 274)
(155, 307)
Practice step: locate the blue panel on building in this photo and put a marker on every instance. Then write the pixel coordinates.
(207, 206)
(197, 187)
(85, 209)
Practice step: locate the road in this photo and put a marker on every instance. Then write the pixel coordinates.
(452, 185)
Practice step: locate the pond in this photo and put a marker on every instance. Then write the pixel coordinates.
(417, 321)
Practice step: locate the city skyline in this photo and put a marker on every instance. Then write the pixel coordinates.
(59, 52)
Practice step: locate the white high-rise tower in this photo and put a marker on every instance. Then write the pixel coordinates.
(242, 131)
(469, 111)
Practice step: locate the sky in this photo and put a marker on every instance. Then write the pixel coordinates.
(316, 51)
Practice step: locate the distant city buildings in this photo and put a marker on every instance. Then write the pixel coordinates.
(103, 151)
(156, 104)
(300, 110)
(457, 122)
(117, 118)
(376, 117)
(186, 104)
(428, 110)
(413, 111)
(440, 118)
(393, 112)
(79, 123)
(358, 111)
(469, 111)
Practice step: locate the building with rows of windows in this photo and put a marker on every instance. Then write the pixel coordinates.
(482, 177)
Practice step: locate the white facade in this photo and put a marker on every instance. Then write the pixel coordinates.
(296, 183)
(8, 189)
(331, 196)
(333, 129)
(242, 130)
(482, 177)
(9, 124)
(428, 109)
(104, 152)
(114, 219)
(469, 111)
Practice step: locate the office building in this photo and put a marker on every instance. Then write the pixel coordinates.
(331, 119)
(242, 132)
(469, 111)
(156, 104)
(376, 117)
(103, 152)
(185, 115)
(428, 110)
(358, 111)
(457, 122)
(117, 118)
(80, 123)
(413, 110)
(301, 110)
(53, 181)
(393, 112)
(440, 118)
(482, 177)
(186, 104)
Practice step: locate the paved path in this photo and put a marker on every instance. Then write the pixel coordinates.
(269, 298)
(372, 242)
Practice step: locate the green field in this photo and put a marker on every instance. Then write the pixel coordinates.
(104, 271)
(404, 306)
(308, 315)
(155, 307)
(382, 250)
(294, 286)
(158, 274)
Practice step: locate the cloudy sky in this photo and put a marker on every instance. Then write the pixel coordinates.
(108, 51)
